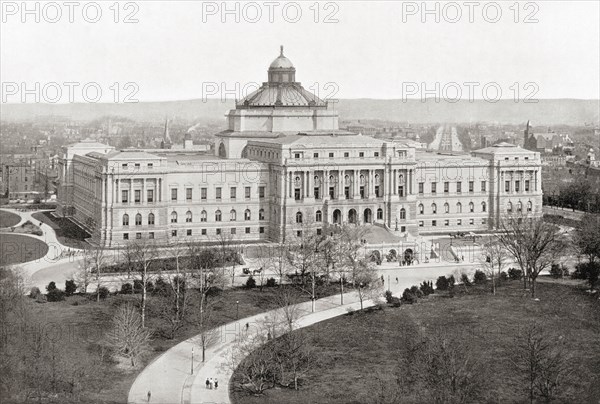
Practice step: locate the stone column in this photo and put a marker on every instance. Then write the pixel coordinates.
(143, 198)
(341, 184)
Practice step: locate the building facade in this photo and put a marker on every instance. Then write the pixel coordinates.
(284, 165)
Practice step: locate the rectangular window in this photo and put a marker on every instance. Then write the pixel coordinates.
(137, 165)
(138, 235)
(483, 221)
(483, 186)
(261, 192)
(173, 233)
(124, 196)
(332, 192)
(376, 154)
(174, 194)
(434, 223)
(233, 230)
(362, 192)
(247, 192)
(150, 195)
(296, 155)
(446, 187)
(151, 235)
(506, 186)
(330, 155)
(124, 166)
(421, 186)
(233, 192)
(247, 230)
(446, 222)
(517, 185)
(316, 193)
(421, 223)
(433, 187)
(347, 192)
(316, 155)
(188, 194)
(203, 193)
(377, 191)
(218, 193)
(401, 190)
(361, 154)
(526, 185)
(471, 221)
(150, 165)
(261, 230)
(137, 195)
(297, 194)
(299, 233)
(218, 232)
(319, 232)
(346, 154)
(125, 236)
(471, 186)
(203, 232)
(459, 222)
(458, 187)
(189, 232)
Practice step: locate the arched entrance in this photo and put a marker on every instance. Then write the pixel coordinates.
(337, 217)
(392, 256)
(408, 256)
(368, 216)
(375, 256)
(222, 151)
(352, 216)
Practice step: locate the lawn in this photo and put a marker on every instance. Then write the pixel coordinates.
(17, 249)
(67, 232)
(77, 327)
(8, 219)
(358, 355)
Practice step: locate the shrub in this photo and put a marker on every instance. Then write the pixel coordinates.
(251, 282)
(427, 288)
(70, 287)
(271, 282)
(126, 288)
(41, 298)
(51, 286)
(464, 278)
(408, 296)
(34, 292)
(161, 287)
(416, 291)
(388, 296)
(137, 286)
(479, 277)
(559, 271)
(515, 274)
(103, 292)
(589, 271)
(503, 276)
(55, 295)
(441, 283)
(451, 282)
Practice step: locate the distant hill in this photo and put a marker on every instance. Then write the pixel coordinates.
(545, 112)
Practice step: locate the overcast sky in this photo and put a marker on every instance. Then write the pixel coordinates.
(374, 50)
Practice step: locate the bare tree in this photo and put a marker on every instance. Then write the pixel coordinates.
(366, 280)
(533, 243)
(144, 254)
(345, 254)
(91, 268)
(494, 259)
(128, 337)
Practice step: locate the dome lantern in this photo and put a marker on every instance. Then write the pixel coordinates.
(282, 70)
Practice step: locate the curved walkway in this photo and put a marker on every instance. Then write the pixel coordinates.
(169, 377)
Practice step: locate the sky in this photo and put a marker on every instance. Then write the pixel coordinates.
(178, 50)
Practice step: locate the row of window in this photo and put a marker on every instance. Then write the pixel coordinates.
(137, 194)
(316, 155)
(509, 207)
(189, 217)
(447, 222)
(447, 208)
(189, 232)
(517, 186)
(483, 187)
(125, 166)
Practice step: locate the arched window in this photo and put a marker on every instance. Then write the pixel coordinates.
(459, 207)
(402, 214)
(318, 216)
(509, 207)
(203, 216)
(433, 208)
(529, 206)
(261, 214)
(151, 218)
(471, 207)
(446, 208)
(232, 215)
(483, 207)
(421, 209)
(401, 179)
(218, 216)
(247, 214)
(125, 220)
(138, 219)
(298, 217)
(188, 217)
(379, 214)
(519, 207)
(173, 217)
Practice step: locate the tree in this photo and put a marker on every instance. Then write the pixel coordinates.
(128, 337)
(494, 259)
(70, 287)
(91, 268)
(144, 254)
(589, 271)
(533, 243)
(366, 280)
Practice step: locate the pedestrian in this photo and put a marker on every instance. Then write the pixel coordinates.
(396, 279)
(382, 280)
(268, 335)
(149, 395)
(207, 383)
(216, 384)
(247, 326)
(463, 257)
(211, 383)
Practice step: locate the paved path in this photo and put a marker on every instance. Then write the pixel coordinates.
(169, 376)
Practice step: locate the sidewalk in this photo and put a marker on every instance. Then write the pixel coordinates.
(169, 376)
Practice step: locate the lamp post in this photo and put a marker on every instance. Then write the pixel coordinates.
(237, 309)
(192, 369)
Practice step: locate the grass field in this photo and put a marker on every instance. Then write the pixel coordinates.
(67, 232)
(360, 353)
(8, 219)
(17, 249)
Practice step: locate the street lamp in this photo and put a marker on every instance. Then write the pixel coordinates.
(192, 370)
(237, 309)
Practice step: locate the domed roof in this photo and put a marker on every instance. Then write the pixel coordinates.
(281, 62)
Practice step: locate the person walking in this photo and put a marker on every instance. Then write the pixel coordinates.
(396, 280)
(149, 395)
(211, 384)
(216, 384)
(207, 383)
